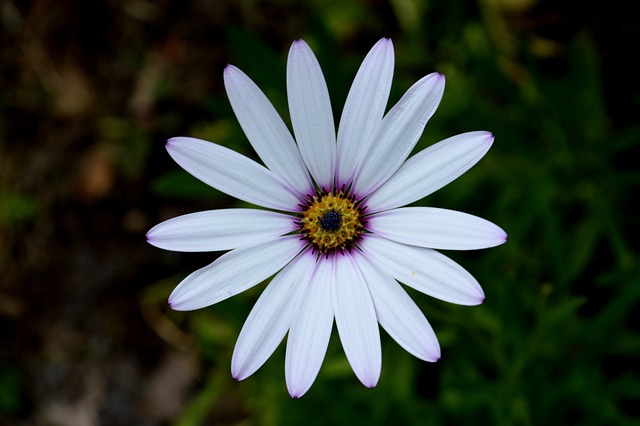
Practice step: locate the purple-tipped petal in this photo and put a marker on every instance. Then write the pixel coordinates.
(234, 272)
(398, 133)
(397, 313)
(266, 131)
(364, 108)
(425, 270)
(215, 230)
(356, 321)
(431, 169)
(310, 330)
(232, 173)
(311, 115)
(271, 317)
(436, 228)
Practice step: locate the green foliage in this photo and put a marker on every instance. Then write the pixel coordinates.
(15, 208)
(10, 390)
(180, 184)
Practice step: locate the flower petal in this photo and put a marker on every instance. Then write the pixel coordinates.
(266, 131)
(425, 270)
(215, 230)
(398, 133)
(231, 173)
(436, 228)
(311, 115)
(310, 330)
(271, 316)
(398, 313)
(233, 273)
(364, 108)
(431, 169)
(356, 321)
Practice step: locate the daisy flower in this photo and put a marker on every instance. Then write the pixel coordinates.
(332, 230)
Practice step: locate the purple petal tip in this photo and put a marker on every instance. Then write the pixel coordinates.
(490, 136)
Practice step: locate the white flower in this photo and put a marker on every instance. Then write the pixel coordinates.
(340, 238)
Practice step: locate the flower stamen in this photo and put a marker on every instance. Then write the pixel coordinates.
(332, 221)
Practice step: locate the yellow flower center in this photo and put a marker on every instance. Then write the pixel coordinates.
(332, 221)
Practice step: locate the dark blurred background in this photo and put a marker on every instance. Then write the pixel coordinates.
(90, 91)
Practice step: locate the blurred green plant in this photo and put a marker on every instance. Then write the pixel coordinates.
(15, 208)
(10, 390)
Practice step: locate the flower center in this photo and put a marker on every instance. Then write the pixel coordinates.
(332, 221)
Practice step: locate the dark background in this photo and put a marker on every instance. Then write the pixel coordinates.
(90, 91)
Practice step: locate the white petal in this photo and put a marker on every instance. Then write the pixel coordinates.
(398, 133)
(425, 270)
(431, 169)
(356, 321)
(310, 331)
(231, 173)
(311, 115)
(215, 230)
(436, 228)
(398, 313)
(266, 131)
(233, 273)
(364, 108)
(270, 318)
